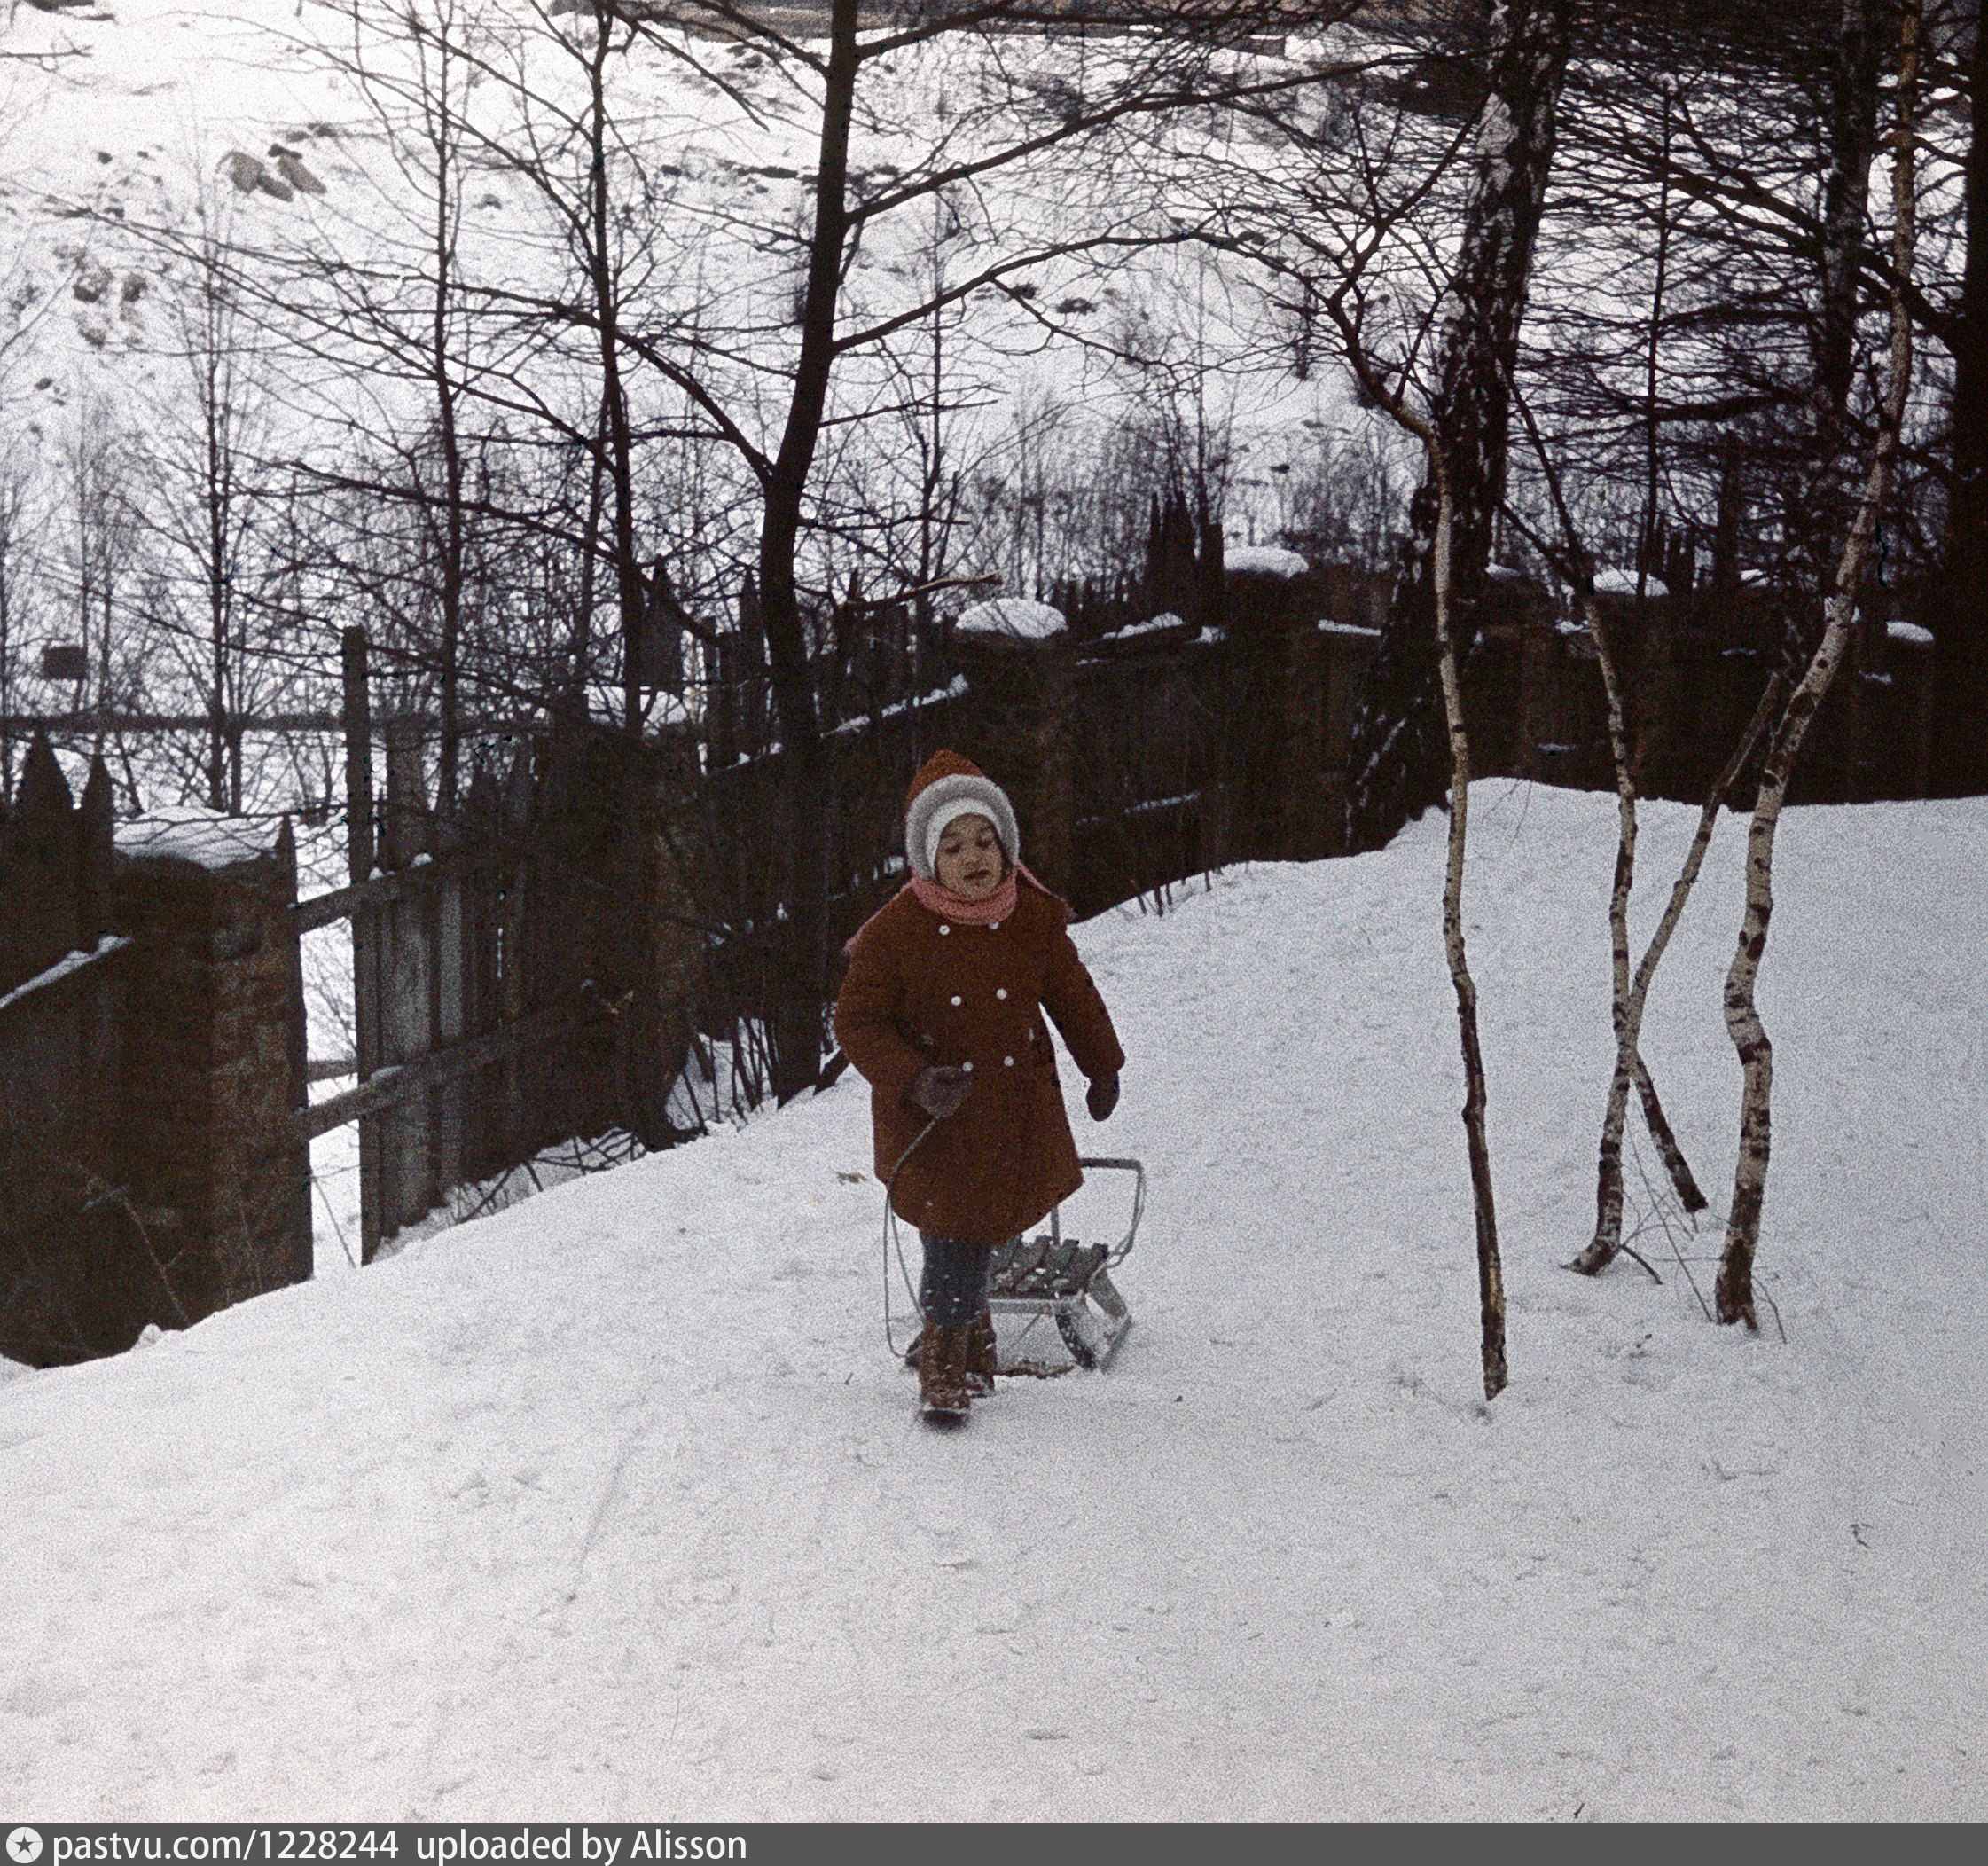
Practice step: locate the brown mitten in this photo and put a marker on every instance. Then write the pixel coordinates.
(939, 1088)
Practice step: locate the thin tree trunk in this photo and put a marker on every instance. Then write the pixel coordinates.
(1853, 112)
(1961, 654)
(1396, 761)
(1607, 1242)
(1666, 1142)
(582, 647)
(442, 316)
(217, 515)
(1608, 1196)
(1490, 1274)
(1628, 993)
(1850, 143)
(797, 1033)
(1652, 358)
(628, 586)
(1734, 1295)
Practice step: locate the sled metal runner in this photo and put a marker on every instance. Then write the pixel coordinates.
(1060, 1280)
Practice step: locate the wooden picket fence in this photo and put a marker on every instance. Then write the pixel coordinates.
(491, 954)
(58, 1062)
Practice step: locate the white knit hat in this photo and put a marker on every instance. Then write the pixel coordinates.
(956, 789)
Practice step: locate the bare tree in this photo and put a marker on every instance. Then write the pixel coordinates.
(1574, 562)
(1735, 1299)
(1367, 244)
(1009, 119)
(100, 553)
(1397, 768)
(18, 531)
(1421, 422)
(200, 458)
(1960, 756)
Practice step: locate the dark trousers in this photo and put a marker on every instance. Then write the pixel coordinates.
(952, 1287)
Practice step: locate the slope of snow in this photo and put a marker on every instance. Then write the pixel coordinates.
(615, 1502)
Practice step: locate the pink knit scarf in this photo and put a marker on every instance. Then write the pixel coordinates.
(948, 906)
(951, 906)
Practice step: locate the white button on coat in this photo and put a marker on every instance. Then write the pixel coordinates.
(1000, 991)
(955, 997)
(968, 1067)
(943, 928)
(1007, 1062)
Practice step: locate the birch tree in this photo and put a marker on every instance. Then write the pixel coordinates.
(1748, 1032)
(1362, 235)
(1629, 989)
(1396, 762)
(1961, 698)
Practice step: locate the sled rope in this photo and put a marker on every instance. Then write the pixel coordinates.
(893, 1240)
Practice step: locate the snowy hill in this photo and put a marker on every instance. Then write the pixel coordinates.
(615, 1503)
(123, 134)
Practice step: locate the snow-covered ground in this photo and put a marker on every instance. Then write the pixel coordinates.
(615, 1504)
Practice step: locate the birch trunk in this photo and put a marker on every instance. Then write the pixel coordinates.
(1742, 1016)
(1666, 1142)
(1396, 759)
(1960, 666)
(1490, 1274)
(1850, 146)
(1608, 1197)
(1632, 995)
(1628, 993)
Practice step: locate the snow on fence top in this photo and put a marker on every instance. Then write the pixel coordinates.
(66, 966)
(1014, 617)
(186, 833)
(1265, 561)
(1152, 625)
(1612, 581)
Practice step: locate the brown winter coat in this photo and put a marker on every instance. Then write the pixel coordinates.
(921, 989)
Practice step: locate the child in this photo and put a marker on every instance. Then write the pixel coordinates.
(941, 1012)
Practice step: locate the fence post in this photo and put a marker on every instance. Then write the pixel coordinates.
(38, 850)
(1019, 726)
(365, 927)
(405, 986)
(1277, 725)
(1907, 765)
(212, 1059)
(69, 1282)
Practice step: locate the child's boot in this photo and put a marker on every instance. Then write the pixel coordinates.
(943, 1397)
(982, 1353)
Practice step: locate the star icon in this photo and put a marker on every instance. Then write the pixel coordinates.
(24, 1846)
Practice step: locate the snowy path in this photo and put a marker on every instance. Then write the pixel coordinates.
(613, 1504)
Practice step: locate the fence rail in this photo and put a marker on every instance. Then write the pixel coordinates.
(66, 968)
(394, 1083)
